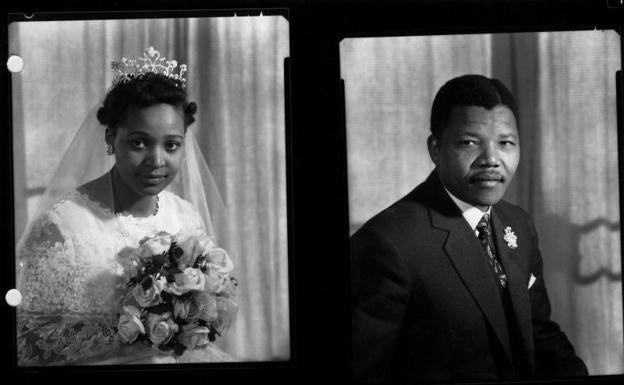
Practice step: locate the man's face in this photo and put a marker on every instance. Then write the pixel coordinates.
(477, 153)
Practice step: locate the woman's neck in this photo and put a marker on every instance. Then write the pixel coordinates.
(125, 200)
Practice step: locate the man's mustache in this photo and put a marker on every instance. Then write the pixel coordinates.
(486, 176)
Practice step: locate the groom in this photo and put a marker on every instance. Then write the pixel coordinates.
(447, 282)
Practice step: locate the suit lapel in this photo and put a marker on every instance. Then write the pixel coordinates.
(466, 255)
(516, 282)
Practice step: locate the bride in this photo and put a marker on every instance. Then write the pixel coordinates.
(72, 265)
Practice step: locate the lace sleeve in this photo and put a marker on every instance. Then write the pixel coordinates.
(51, 329)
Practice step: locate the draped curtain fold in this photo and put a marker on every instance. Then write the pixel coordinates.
(568, 174)
(236, 78)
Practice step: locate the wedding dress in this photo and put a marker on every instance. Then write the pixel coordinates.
(72, 275)
(70, 266)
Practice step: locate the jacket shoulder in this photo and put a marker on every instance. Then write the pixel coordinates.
(399, 219)
(513, 210)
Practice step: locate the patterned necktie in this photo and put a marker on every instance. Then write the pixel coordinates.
(485, 237)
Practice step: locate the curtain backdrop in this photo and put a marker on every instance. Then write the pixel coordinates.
(235, 77)
(568, 173)
(389, 87)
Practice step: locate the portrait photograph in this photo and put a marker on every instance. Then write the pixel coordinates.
(150, 189)
(517, 130)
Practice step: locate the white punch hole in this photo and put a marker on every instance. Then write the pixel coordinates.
(15, 64)
(13, 297)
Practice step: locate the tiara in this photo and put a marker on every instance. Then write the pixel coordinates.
(128, 69)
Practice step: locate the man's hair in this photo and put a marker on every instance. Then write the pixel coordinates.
(468, 90)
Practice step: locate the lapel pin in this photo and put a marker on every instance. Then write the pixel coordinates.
(510, 238)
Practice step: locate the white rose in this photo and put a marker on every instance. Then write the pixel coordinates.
(216, 282)
(193, 245)
(130, 325)
(193, 336)
(155, 245)
(148, 297)
(190, 279)
(219, 258)
(161, 328)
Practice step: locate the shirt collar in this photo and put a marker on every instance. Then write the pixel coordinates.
(471, 214)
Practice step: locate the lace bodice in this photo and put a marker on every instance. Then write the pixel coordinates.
(71, 272)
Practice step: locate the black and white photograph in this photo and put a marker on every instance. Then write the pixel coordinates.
(312, 191)
(150, 190)
(484, 206)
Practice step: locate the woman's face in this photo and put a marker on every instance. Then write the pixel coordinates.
(149, 147)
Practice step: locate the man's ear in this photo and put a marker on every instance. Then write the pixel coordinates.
(433, 144)
(109, 136)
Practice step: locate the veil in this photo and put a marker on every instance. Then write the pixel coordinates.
(85, 159)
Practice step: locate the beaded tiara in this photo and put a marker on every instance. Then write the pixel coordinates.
(151, 62)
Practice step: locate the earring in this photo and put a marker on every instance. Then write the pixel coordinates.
(110, 150)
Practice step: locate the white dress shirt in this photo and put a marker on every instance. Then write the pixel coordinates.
(471, 214)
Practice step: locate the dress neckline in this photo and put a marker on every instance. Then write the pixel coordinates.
(108, 212)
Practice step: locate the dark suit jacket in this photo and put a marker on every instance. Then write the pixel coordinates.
(426, 305)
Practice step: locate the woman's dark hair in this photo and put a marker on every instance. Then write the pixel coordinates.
(141, 92)
(469, 90)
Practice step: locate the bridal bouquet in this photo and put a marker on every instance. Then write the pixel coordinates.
(180, 293)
